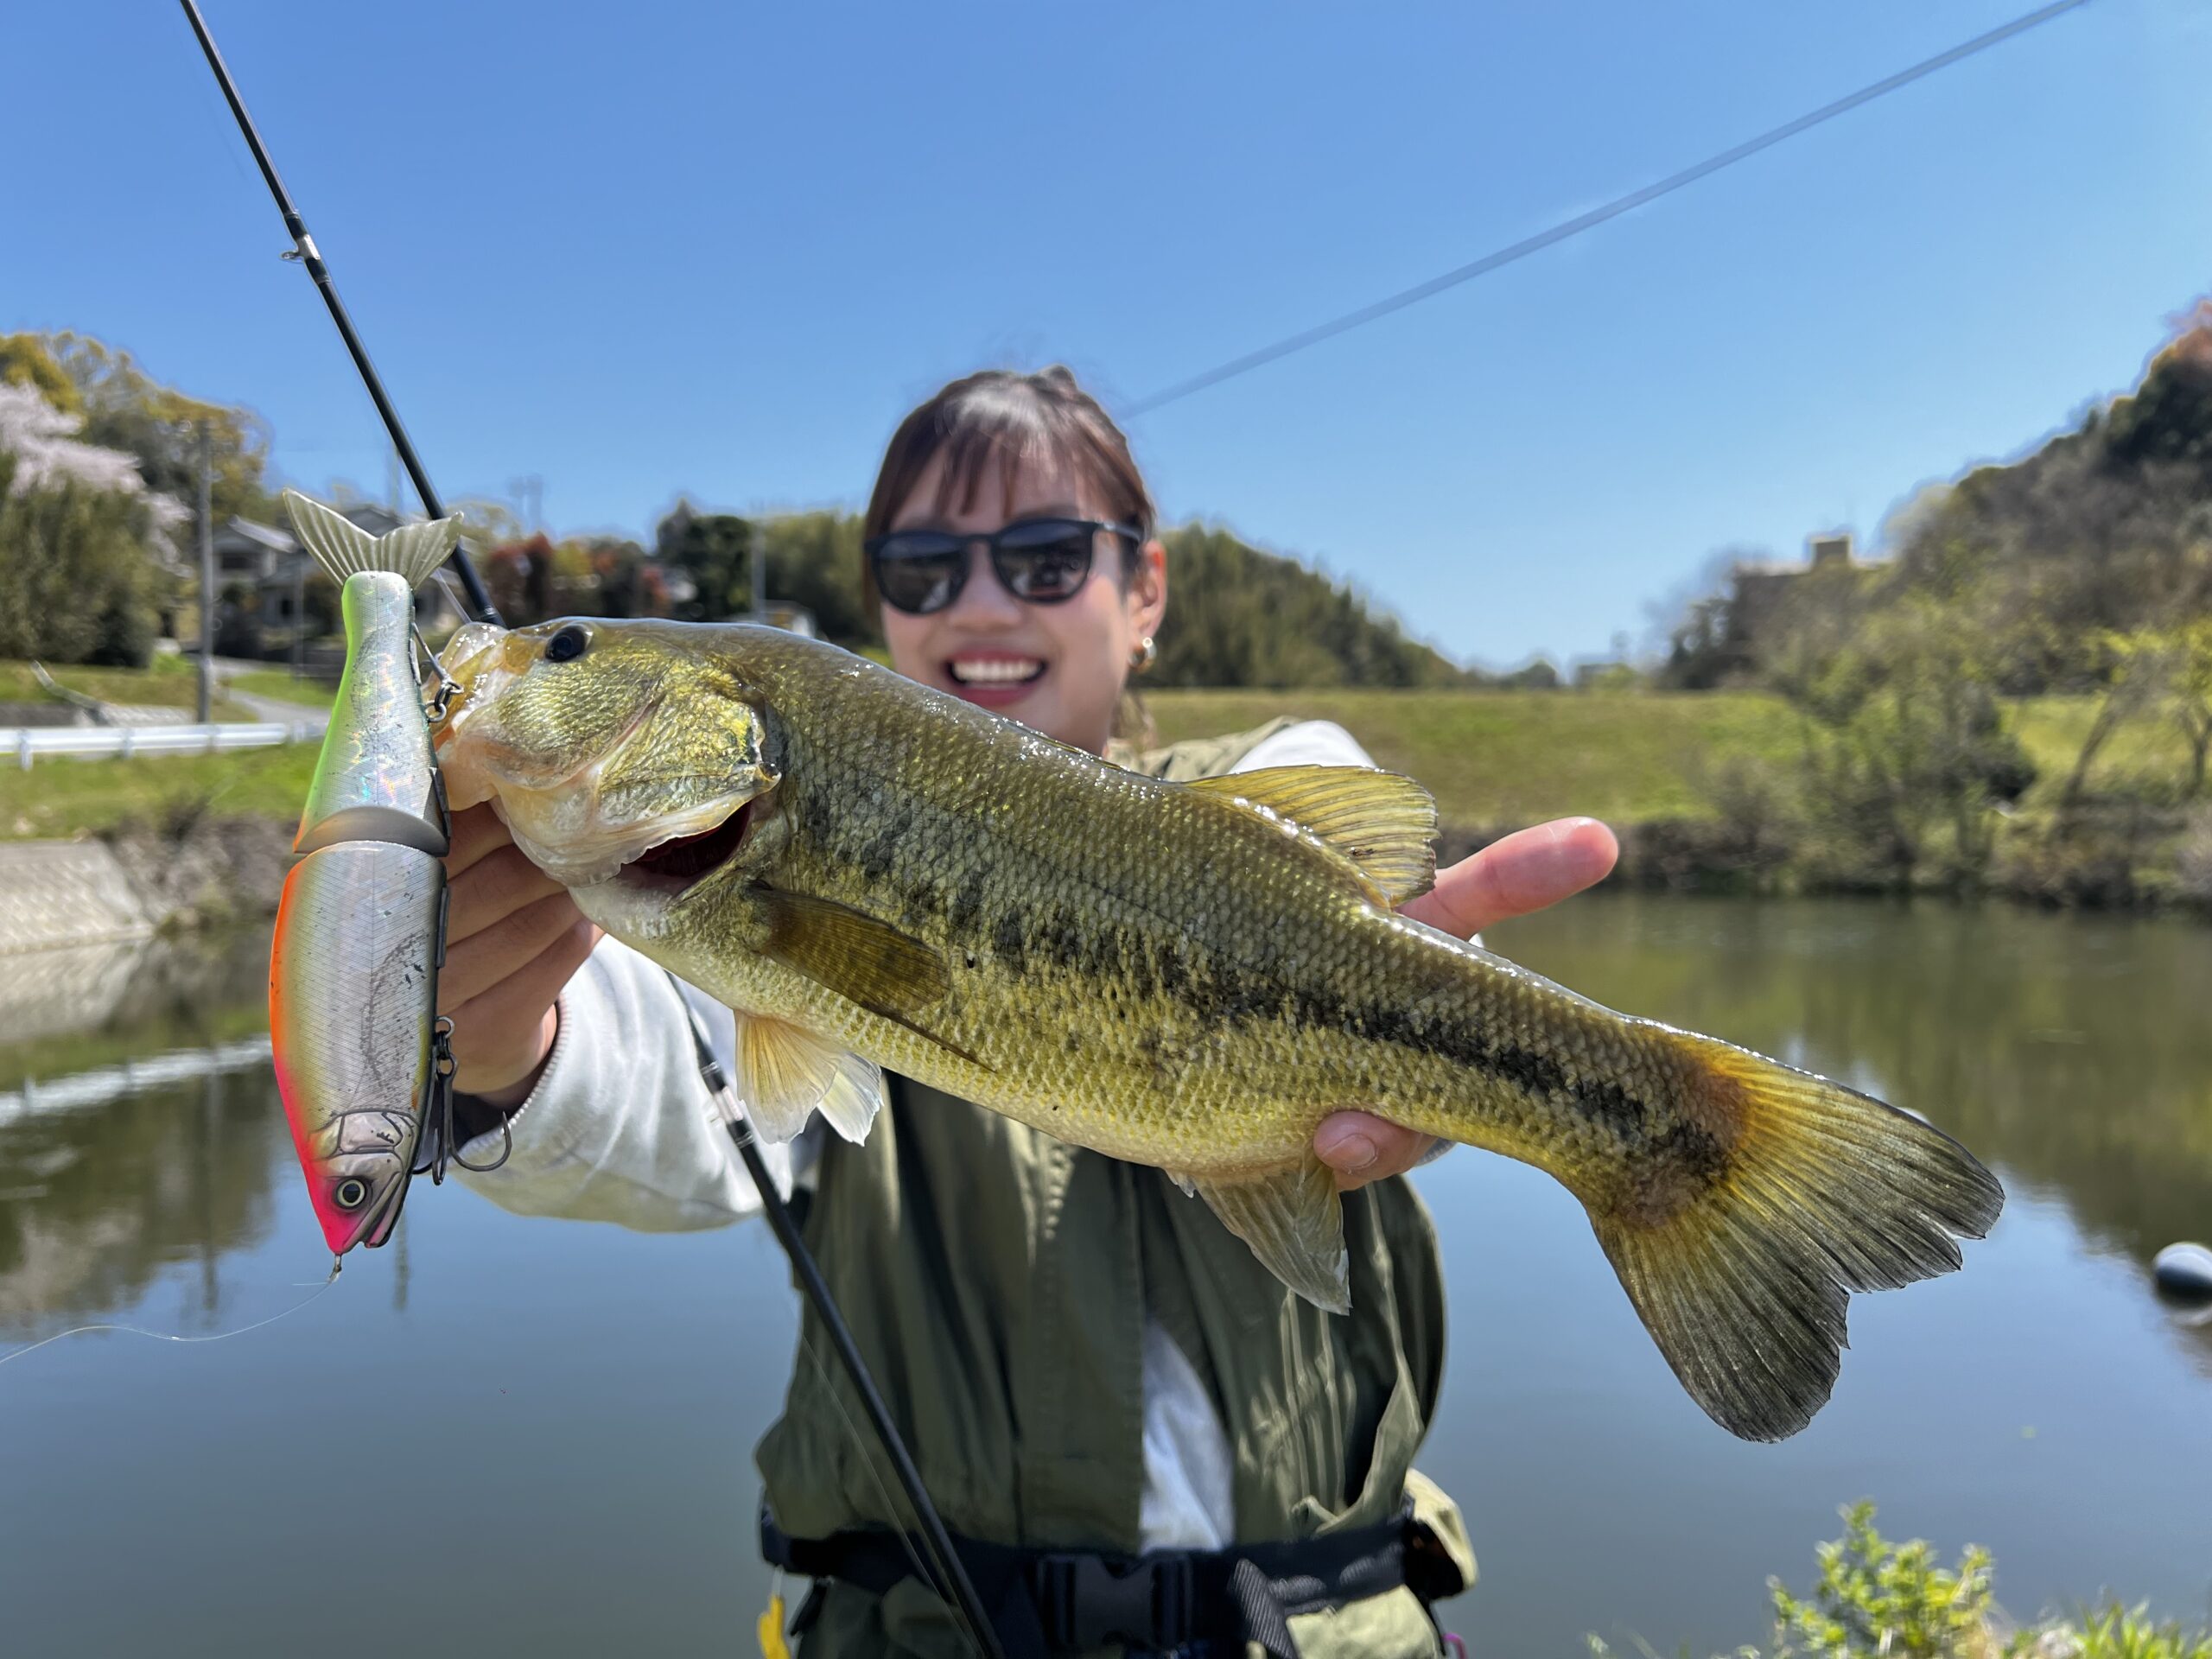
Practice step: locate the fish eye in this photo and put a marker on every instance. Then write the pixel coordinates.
(568, 645)
(351, 1193)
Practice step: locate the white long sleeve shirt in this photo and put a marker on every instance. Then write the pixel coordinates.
(620, 1128)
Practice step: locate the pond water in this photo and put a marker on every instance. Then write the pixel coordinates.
(503, 1434)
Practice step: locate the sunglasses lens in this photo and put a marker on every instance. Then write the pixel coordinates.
(920, 573)
(1045, 560)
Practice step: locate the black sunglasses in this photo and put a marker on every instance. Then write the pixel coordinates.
(1041, 561)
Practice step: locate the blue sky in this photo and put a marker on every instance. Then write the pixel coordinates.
(718, 250)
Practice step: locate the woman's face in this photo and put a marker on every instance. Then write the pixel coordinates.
(1059, 668)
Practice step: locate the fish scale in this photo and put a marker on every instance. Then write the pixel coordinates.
(1188, 976)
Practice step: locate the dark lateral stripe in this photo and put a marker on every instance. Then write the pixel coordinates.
(1152, 965)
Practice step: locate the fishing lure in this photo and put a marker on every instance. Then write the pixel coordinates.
(361, 1054)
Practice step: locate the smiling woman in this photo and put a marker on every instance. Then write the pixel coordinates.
(1030, 468)
(1086, 1359)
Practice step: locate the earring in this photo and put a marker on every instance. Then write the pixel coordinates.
(1144, 656)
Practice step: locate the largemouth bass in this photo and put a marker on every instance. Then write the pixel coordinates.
(872, 874)
(354, 970)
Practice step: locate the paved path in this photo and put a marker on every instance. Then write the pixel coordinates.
(316, 717)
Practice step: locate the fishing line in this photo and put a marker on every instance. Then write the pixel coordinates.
(803, 1267)
(170, 1336)
(940, 1577)
(1560, 232)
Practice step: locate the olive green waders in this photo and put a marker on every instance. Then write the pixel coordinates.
(998, 1281)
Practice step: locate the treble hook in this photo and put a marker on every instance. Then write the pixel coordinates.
(445, 1149)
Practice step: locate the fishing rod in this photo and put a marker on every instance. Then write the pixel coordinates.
(955, 1584)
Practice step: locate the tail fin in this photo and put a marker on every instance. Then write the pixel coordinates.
(1825, 1192)
(344, 548)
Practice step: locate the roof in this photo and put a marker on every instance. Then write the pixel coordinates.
(278, 541)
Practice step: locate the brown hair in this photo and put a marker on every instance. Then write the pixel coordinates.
(1018, 419)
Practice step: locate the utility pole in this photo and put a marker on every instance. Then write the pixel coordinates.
(530, 491)
(299, 613)
(756, 557)
(206, 577)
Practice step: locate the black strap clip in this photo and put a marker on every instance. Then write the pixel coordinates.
(1087, 1601)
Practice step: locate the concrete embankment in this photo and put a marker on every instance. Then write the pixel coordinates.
(134, 884)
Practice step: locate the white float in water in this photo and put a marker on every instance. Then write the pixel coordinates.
(2184, 1270)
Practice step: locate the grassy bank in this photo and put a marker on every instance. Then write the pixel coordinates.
(170, 682)
(1646, 762)
(1702, 787)
(279, 683)
(60, 798)
(1498, 758)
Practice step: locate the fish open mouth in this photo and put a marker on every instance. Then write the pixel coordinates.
(675, 866)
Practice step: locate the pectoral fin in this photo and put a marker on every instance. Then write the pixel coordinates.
(784, 1074)
(1385, 825)
(863, 960)
(1294, 1223)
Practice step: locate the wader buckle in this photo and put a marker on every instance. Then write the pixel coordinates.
(1085, 1601)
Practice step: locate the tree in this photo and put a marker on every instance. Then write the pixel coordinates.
(1240, 616)
(1904, 734)
(2191, 677)
(2135, 668)
(77, 583)
(124, 408)
(815, 560)
(712, 549)
(26, 361)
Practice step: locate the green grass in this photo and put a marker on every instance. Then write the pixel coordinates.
(2145, 752)
(279, 683)
(1491, 758)
(171, 683)
(1495, 758)
(63, 798)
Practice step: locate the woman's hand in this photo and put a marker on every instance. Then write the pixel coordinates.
(513, 938)
(1527, 871)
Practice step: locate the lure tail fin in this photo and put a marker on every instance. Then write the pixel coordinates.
(1742, 1272)
(344, 548)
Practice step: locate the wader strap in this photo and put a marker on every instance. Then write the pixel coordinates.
(1049, 1602)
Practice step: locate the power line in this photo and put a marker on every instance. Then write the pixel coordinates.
(1596, 216)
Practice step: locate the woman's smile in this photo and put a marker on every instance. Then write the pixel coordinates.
(993, 677)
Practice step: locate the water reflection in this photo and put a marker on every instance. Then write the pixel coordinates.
(138, 1124)
(2071, 1052)
(597, 1392)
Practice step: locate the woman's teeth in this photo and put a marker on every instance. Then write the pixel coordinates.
(996, 671)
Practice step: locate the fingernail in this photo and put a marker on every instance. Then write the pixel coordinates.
(1351, 1154)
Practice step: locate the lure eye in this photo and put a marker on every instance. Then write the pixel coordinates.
(351, 1193)
(568, 645)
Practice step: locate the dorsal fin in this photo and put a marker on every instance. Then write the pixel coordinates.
(1385, 825)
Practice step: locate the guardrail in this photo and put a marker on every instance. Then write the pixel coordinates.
(26, 743)
(107, 1083)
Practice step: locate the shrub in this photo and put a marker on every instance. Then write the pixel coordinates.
(1877, 1598)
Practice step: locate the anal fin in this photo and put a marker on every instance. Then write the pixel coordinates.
(786, 1074)
(1294, 1221)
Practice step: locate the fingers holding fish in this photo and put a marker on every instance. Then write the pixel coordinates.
(1359, 1147)
(477, 834)
(480, 960)
(1528, 870)
(503, 1034)
(493, 888)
